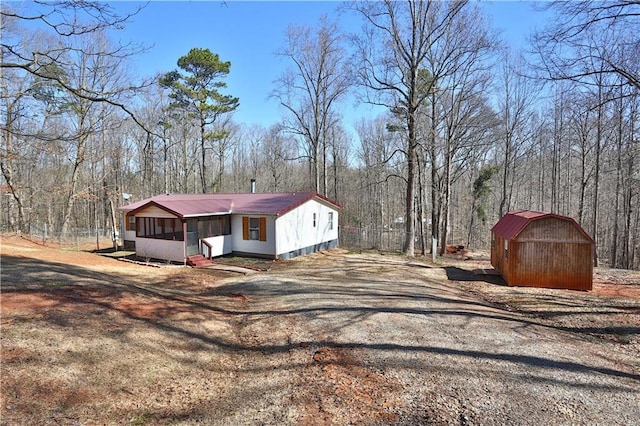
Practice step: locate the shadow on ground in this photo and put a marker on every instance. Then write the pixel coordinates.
(458, 274)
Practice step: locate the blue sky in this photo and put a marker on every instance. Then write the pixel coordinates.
(249, 33)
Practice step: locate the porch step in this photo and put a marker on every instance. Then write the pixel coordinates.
(198, 261)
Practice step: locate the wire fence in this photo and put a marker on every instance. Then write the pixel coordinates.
(351, 237)
(385, 239)
(75, 238)
(366, 237)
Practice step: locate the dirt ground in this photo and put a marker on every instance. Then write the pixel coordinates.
(331, 338)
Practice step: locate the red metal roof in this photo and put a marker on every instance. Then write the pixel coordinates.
(192, 205)
(514, 222)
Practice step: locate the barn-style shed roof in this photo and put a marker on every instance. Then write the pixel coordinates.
(514, 222)
(194, 205)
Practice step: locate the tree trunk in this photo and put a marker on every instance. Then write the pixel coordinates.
(447, 196)
(73, 183)
(596, 182)
(505, 176)
(325, 184)
(614, 237)
(435, 222)
(7, 166)
(410, 225)
(421, 208)
(203, 152)
(473, 210)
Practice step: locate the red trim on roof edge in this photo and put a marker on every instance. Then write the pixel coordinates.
(156, 204)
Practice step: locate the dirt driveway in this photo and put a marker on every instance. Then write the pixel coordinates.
(333, 338)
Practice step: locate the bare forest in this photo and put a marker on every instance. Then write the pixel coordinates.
(468, 127)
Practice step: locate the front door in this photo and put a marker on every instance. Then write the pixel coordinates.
(193, 246)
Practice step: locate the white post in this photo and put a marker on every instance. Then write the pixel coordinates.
(434, 248)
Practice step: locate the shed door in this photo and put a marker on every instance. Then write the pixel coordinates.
(192, 237)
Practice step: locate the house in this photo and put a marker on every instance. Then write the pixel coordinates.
(174, 227)
(537, 249)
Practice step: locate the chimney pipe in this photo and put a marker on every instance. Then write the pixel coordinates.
(253, 186)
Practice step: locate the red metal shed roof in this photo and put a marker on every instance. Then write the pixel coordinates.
(192, 205)
(514, 222)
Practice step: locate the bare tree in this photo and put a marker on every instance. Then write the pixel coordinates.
(405, 53)
(14, 98)
(100, 74)
(460, 61)
(380, 156)
(66, 21)
(75, 86)
(312, 88)
(221, 148)
(566, 47)
(515, 102)
(338, 159)
(277, 148)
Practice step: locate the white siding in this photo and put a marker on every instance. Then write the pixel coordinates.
(267, 248)
(153, 211)
(220, 245)
(160, 249)
(296, 231)
(129, 235)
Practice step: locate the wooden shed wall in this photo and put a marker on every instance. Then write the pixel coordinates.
(551, 252)
(552, 229)
(497, 252)
(551, 264)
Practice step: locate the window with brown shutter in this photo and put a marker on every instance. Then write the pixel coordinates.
(254, 228)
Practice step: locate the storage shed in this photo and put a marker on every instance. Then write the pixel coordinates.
(537, 249)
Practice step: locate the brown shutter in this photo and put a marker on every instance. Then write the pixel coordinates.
(126, 222)
(245, 227)
(263, 229)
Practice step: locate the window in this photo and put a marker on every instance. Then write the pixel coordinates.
(225, 225)
(254, 228)
(169, 229)
(159, 228)
(314, 220)
(145, 227)
(330, 220)
(506, 249)
(204, 228)
(214, 226)
(131, 223)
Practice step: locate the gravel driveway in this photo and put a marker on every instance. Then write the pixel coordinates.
(395, 341)
(332, 338)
